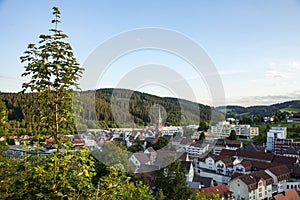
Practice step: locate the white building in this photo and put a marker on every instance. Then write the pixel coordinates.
(223, 129)
(170, 130)
(275, 133)
(197, 148)
(256, 186)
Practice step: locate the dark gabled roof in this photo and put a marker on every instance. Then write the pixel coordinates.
(291, 150)
(295, 171)
(284, 160)
(255, 148)
(251, 180)
(227, 152)
(227, 161)
(246, 164)
(233, 143)
(265, 176)
(205, 182)
(261, 165)
(268, 157)
(186, 165)
(282, 172)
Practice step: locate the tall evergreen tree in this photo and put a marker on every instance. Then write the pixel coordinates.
(54, 71)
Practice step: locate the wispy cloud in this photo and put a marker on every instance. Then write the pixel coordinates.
(275, 74)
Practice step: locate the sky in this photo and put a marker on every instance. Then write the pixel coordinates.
(254, 44)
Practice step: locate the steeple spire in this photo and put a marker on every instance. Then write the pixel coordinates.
(159, 122)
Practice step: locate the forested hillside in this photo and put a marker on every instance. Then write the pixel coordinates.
(20, 118)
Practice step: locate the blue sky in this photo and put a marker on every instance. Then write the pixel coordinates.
(254, 44)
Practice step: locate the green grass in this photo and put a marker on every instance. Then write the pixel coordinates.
(290, 110)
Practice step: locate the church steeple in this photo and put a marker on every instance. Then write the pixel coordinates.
(159, 121)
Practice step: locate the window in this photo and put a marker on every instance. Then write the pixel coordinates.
(292, 187)
(287, 187)
(260, 194)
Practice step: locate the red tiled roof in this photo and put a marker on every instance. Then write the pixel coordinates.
(279, 197)
(291, 194)
(282, 172)
(227, 152)
(247, 165)
(284, 160)
(251, 180)
(221, 190)
(268, 157)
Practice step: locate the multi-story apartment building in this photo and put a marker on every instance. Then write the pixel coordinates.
(273, 134)
(223, 129)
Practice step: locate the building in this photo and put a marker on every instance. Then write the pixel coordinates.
(286, 147)
(223, 129)
(197, 148)
(221, 190)
(252, 186)
(280, 175)
(273, 134)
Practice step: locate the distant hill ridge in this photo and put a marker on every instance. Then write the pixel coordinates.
(140, 103)
(289, 106)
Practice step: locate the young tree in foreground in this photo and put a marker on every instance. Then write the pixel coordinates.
(66, 174)
(54, 71)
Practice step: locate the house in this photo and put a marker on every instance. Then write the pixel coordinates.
(233, 144)
(226, 144)
(221, 190)
(252, 186)
(219, 146)
(224, 166)
(280, 174)
(139, 159)
(244, 167)
(204, 182)
(151, 153)
(197, 148)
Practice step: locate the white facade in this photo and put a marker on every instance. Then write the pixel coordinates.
(196, 150)
(240, 190)
(209, 163)
(274, 133)
(170, 130)
(223, 129)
